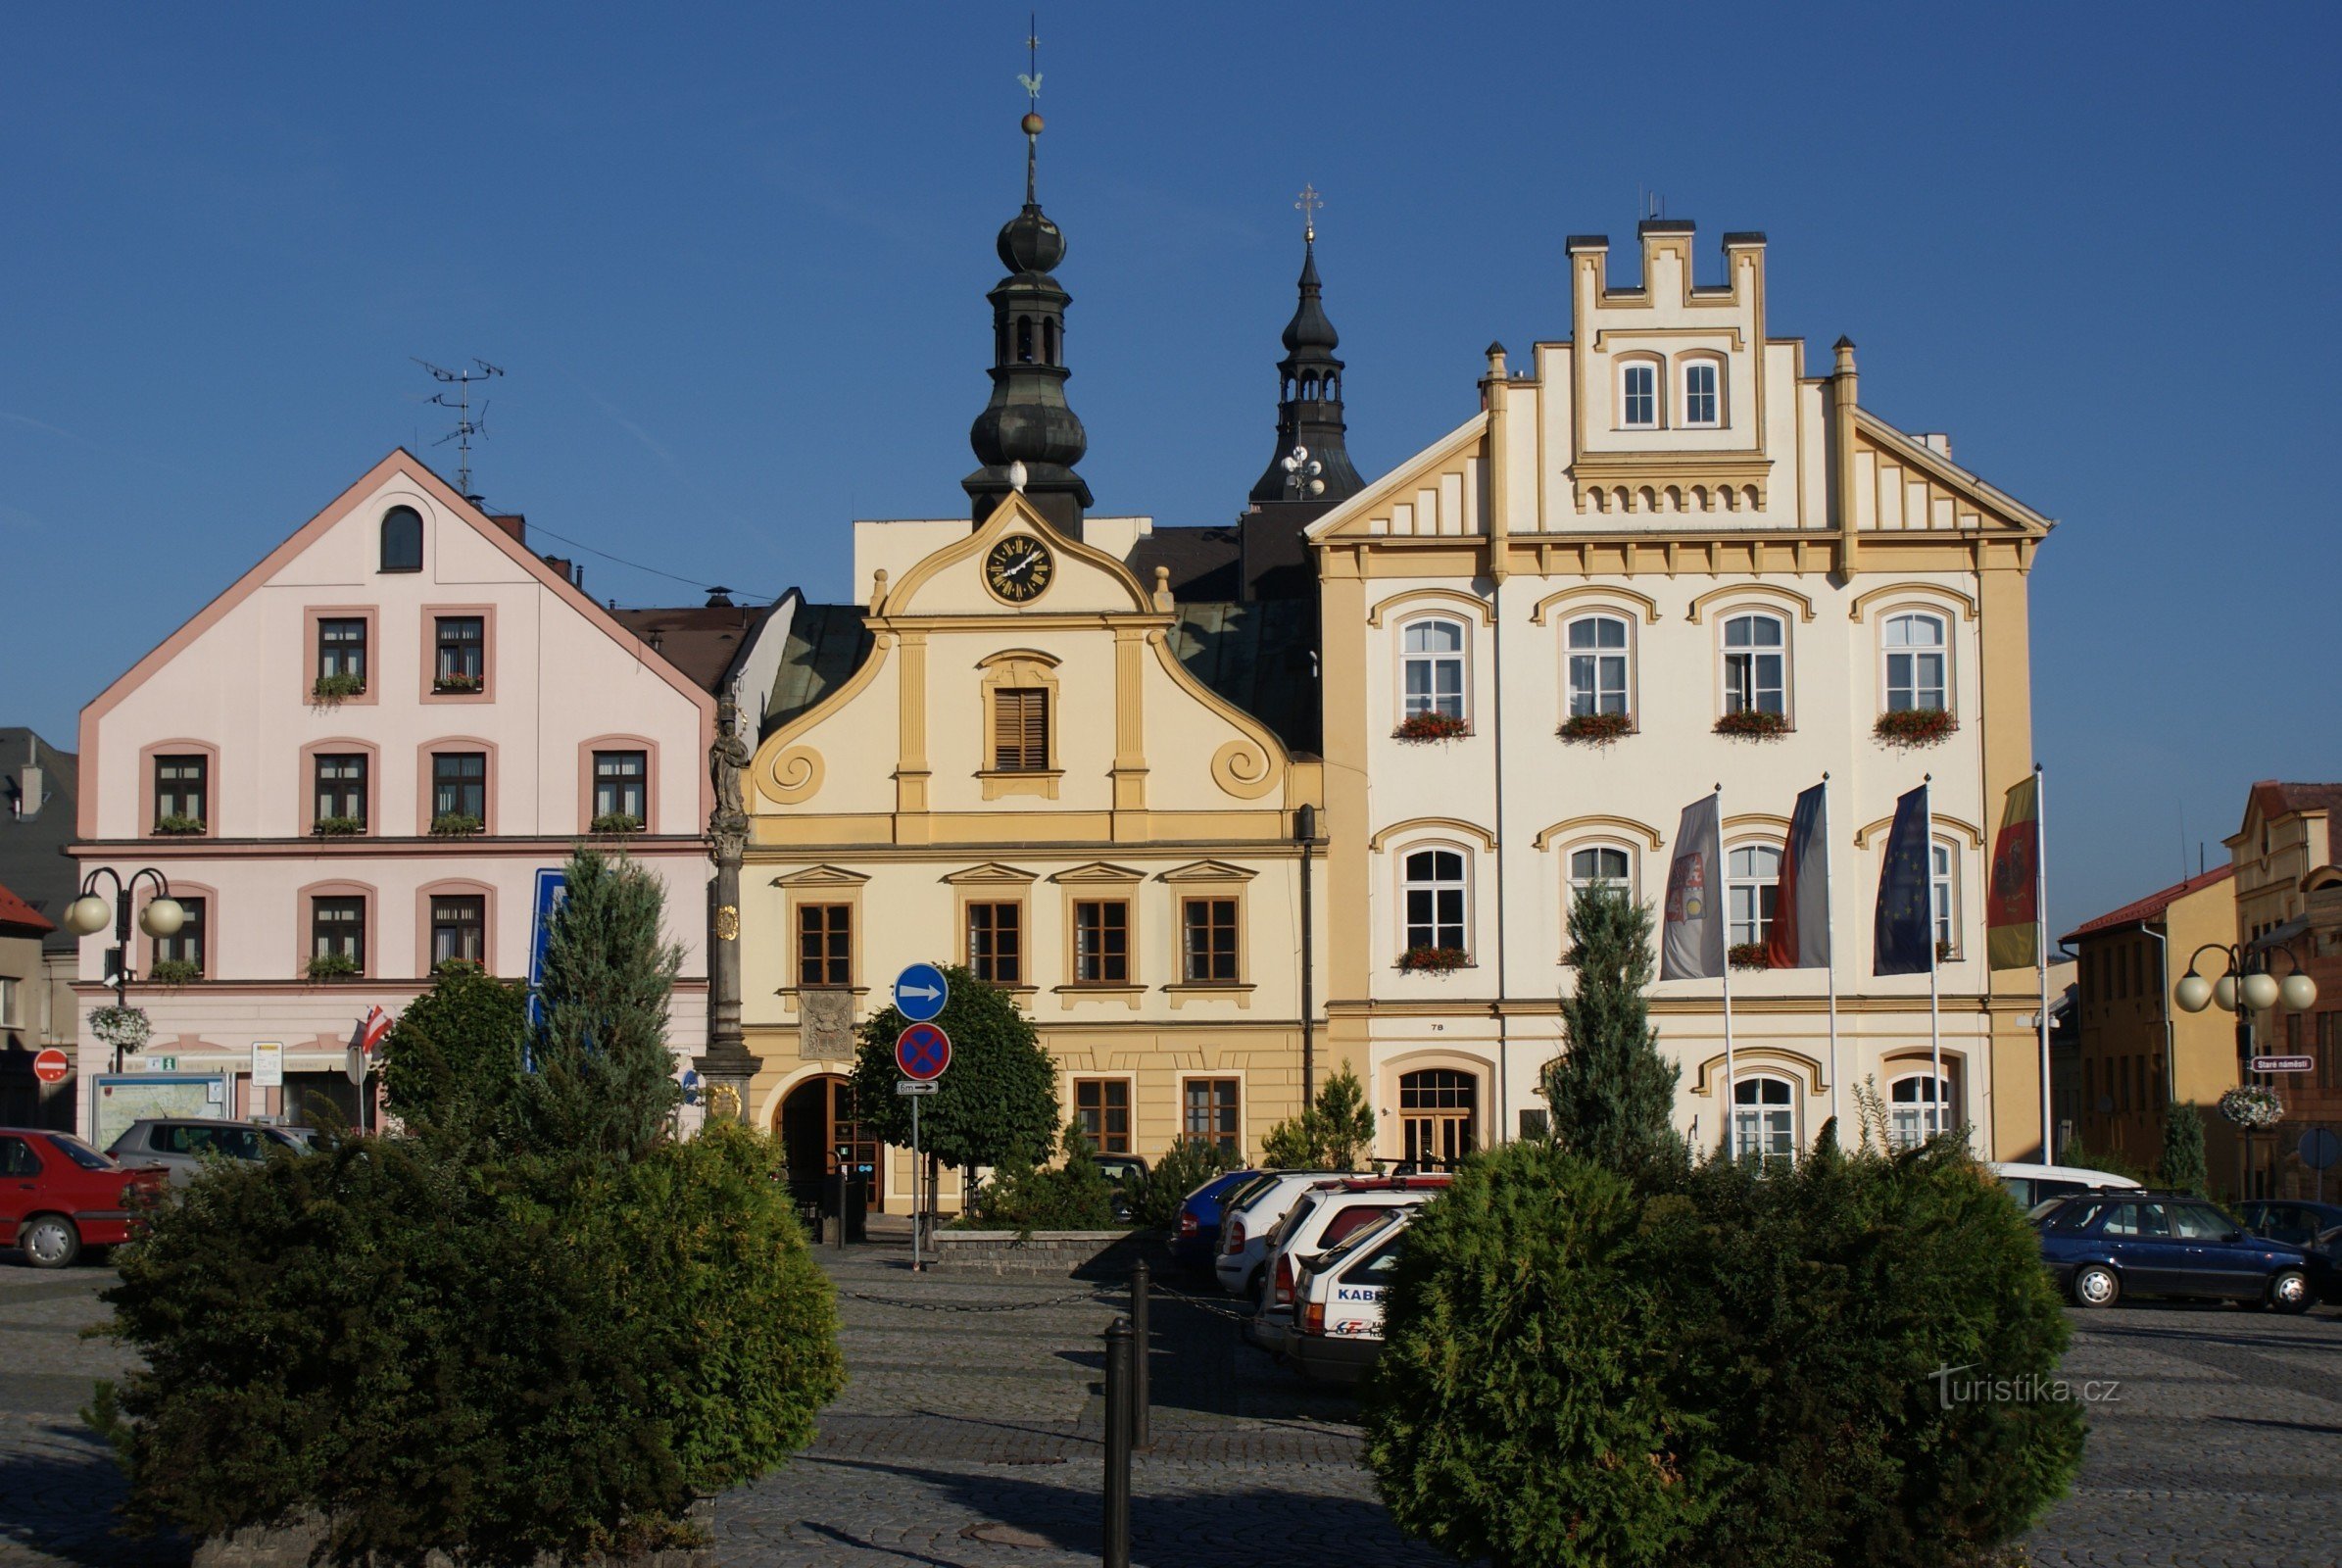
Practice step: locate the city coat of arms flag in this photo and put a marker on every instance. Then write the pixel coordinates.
(1903, 940)
(2013, 905)
(1692, 937)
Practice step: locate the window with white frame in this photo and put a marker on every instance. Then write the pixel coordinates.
(1752, 876)
(1639, 395)
(1918, 1107)
(1435, 900)
(1916, 661)
(1434, 663)
(1764, 1118)
(1943, 878)
(1597, 664)
(1755, 665)
(1598, 866)
(1702, 402)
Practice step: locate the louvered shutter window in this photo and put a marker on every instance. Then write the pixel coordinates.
(1020, 729)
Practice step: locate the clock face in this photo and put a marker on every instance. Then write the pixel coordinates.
(1018, 567)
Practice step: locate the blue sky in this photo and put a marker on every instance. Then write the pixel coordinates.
(734, 260)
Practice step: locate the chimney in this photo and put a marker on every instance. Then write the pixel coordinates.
(514, 524)
(569, 571)
(31, 786)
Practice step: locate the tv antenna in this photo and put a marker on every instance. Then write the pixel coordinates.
(466, 425)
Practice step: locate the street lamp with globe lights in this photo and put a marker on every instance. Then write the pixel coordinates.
(88, 915)
(2245, 987)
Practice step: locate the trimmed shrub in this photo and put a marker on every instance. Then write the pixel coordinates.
(2182, 1165)
(1074, 1197)
(450, 1062)
(1335, 1134)
(1184, 1166)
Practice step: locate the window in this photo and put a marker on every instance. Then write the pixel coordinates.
(824, 943)
(1210, 1111)
(1020, 729)
(462, 662)
(1700, 392)
(2329, 1050)
(1754, 667)
(1102, 930)
(1434, 660)
(994, 950)
(1764, 1118)
(1210, 930)
(341, 789)
(182, 793)
(17, 1159)
(1638, 396)
(1752, 874)
(341, 649)
(402, 540)
(1597, 669)
(1435, 900)
(1945, 883)
(1102, 1105)
(459, 785)
(1599, 866)
(337, 929)
(8, 1003)
(621, 785)
(186, 944)
(459, 928)
(1439, 1112)
(1918, 1108)
(1915, 662)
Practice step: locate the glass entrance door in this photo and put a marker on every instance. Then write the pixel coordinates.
(1438, 1109)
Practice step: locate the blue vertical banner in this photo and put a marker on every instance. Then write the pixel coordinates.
(1903, 941)
(553, 886)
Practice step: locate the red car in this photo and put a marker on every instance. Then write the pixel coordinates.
(58, 1195)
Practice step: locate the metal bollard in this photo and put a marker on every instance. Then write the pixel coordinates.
(1141, 1395)
(1117, 1552)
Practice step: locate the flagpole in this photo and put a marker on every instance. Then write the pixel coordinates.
(1732, 1129)
(2041, 951)
(1936, 1095)
(1830, 943)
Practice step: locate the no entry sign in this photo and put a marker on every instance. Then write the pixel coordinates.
(922, 1052)
(51, 1067)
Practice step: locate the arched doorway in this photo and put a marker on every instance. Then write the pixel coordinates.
(818, 1128)
(1438, 1108)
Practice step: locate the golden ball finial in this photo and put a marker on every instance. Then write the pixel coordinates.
(1032, 125)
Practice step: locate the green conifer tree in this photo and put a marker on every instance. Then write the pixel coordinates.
(601, 1079)
(1337, 1133)
(1611, 1094)
(450, 1062)
(2182, 1165)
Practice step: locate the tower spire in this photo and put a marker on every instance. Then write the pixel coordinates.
(1309, 388)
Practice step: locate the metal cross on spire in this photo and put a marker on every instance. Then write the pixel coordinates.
(1030, 80)
(1307, 207)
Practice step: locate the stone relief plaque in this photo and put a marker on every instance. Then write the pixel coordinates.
(825, 1029)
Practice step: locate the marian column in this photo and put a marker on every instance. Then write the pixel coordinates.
(727, 1069)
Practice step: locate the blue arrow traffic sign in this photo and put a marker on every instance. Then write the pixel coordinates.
(922, 1052)
(920, 992)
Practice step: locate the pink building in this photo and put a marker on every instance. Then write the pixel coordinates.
(351, 767)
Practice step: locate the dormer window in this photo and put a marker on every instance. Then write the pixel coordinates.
(1638, 397)
(1701, 403)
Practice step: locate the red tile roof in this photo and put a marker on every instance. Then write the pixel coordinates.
(15, 914)
(2148, 907)
(2277, 799)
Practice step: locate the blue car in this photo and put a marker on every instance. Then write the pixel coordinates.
(1197, 1232)
(2100, 1247)
(2290, 1219)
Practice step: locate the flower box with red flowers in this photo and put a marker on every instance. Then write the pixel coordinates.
(1750, 955)
(1596, 729)
(1906, 727)
(455, 685)
(1753, 724)
(1419, 728)
(1433, 960)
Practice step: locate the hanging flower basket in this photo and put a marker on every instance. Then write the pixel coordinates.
(1906, 728)
(2253, 1106)
(1753, 724)
(1750, 955)
(1433, 960)
(1596, 729)
(1421, 728)
(122, 1028)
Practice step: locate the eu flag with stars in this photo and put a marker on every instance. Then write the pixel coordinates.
(1904, 941)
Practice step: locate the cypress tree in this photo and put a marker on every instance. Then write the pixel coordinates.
(602, 1079)
(2182, 1165)
(1610, 1092)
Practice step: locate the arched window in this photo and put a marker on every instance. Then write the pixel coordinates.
(1915, 662)
(1943, 878)
(1752, 873)
(1639, 395)
(1598, 866)
(1434, 657)
(1438, 1109)
(1435, 901)
(1918, 1107)
(1764, 1118)
(1703, 398)
(1049, 341)
(1755, 665)
(1597, 664)
(402, 540)
(1024, 340)
(1333, 389)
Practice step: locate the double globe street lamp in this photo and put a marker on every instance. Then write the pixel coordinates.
(87, 915)
(2245, 987)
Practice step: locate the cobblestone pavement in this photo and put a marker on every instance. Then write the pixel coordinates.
(973, 1438)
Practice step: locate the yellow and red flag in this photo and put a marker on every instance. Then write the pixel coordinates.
(2012, 905)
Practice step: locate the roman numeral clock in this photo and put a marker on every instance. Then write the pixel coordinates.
(1017, 568)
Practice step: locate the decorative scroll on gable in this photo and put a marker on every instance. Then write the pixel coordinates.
(1904, 485)
(1441, 492)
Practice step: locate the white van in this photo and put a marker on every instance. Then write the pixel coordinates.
(2034, 1185)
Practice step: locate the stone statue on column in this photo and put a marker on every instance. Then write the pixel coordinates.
(729, 1066)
